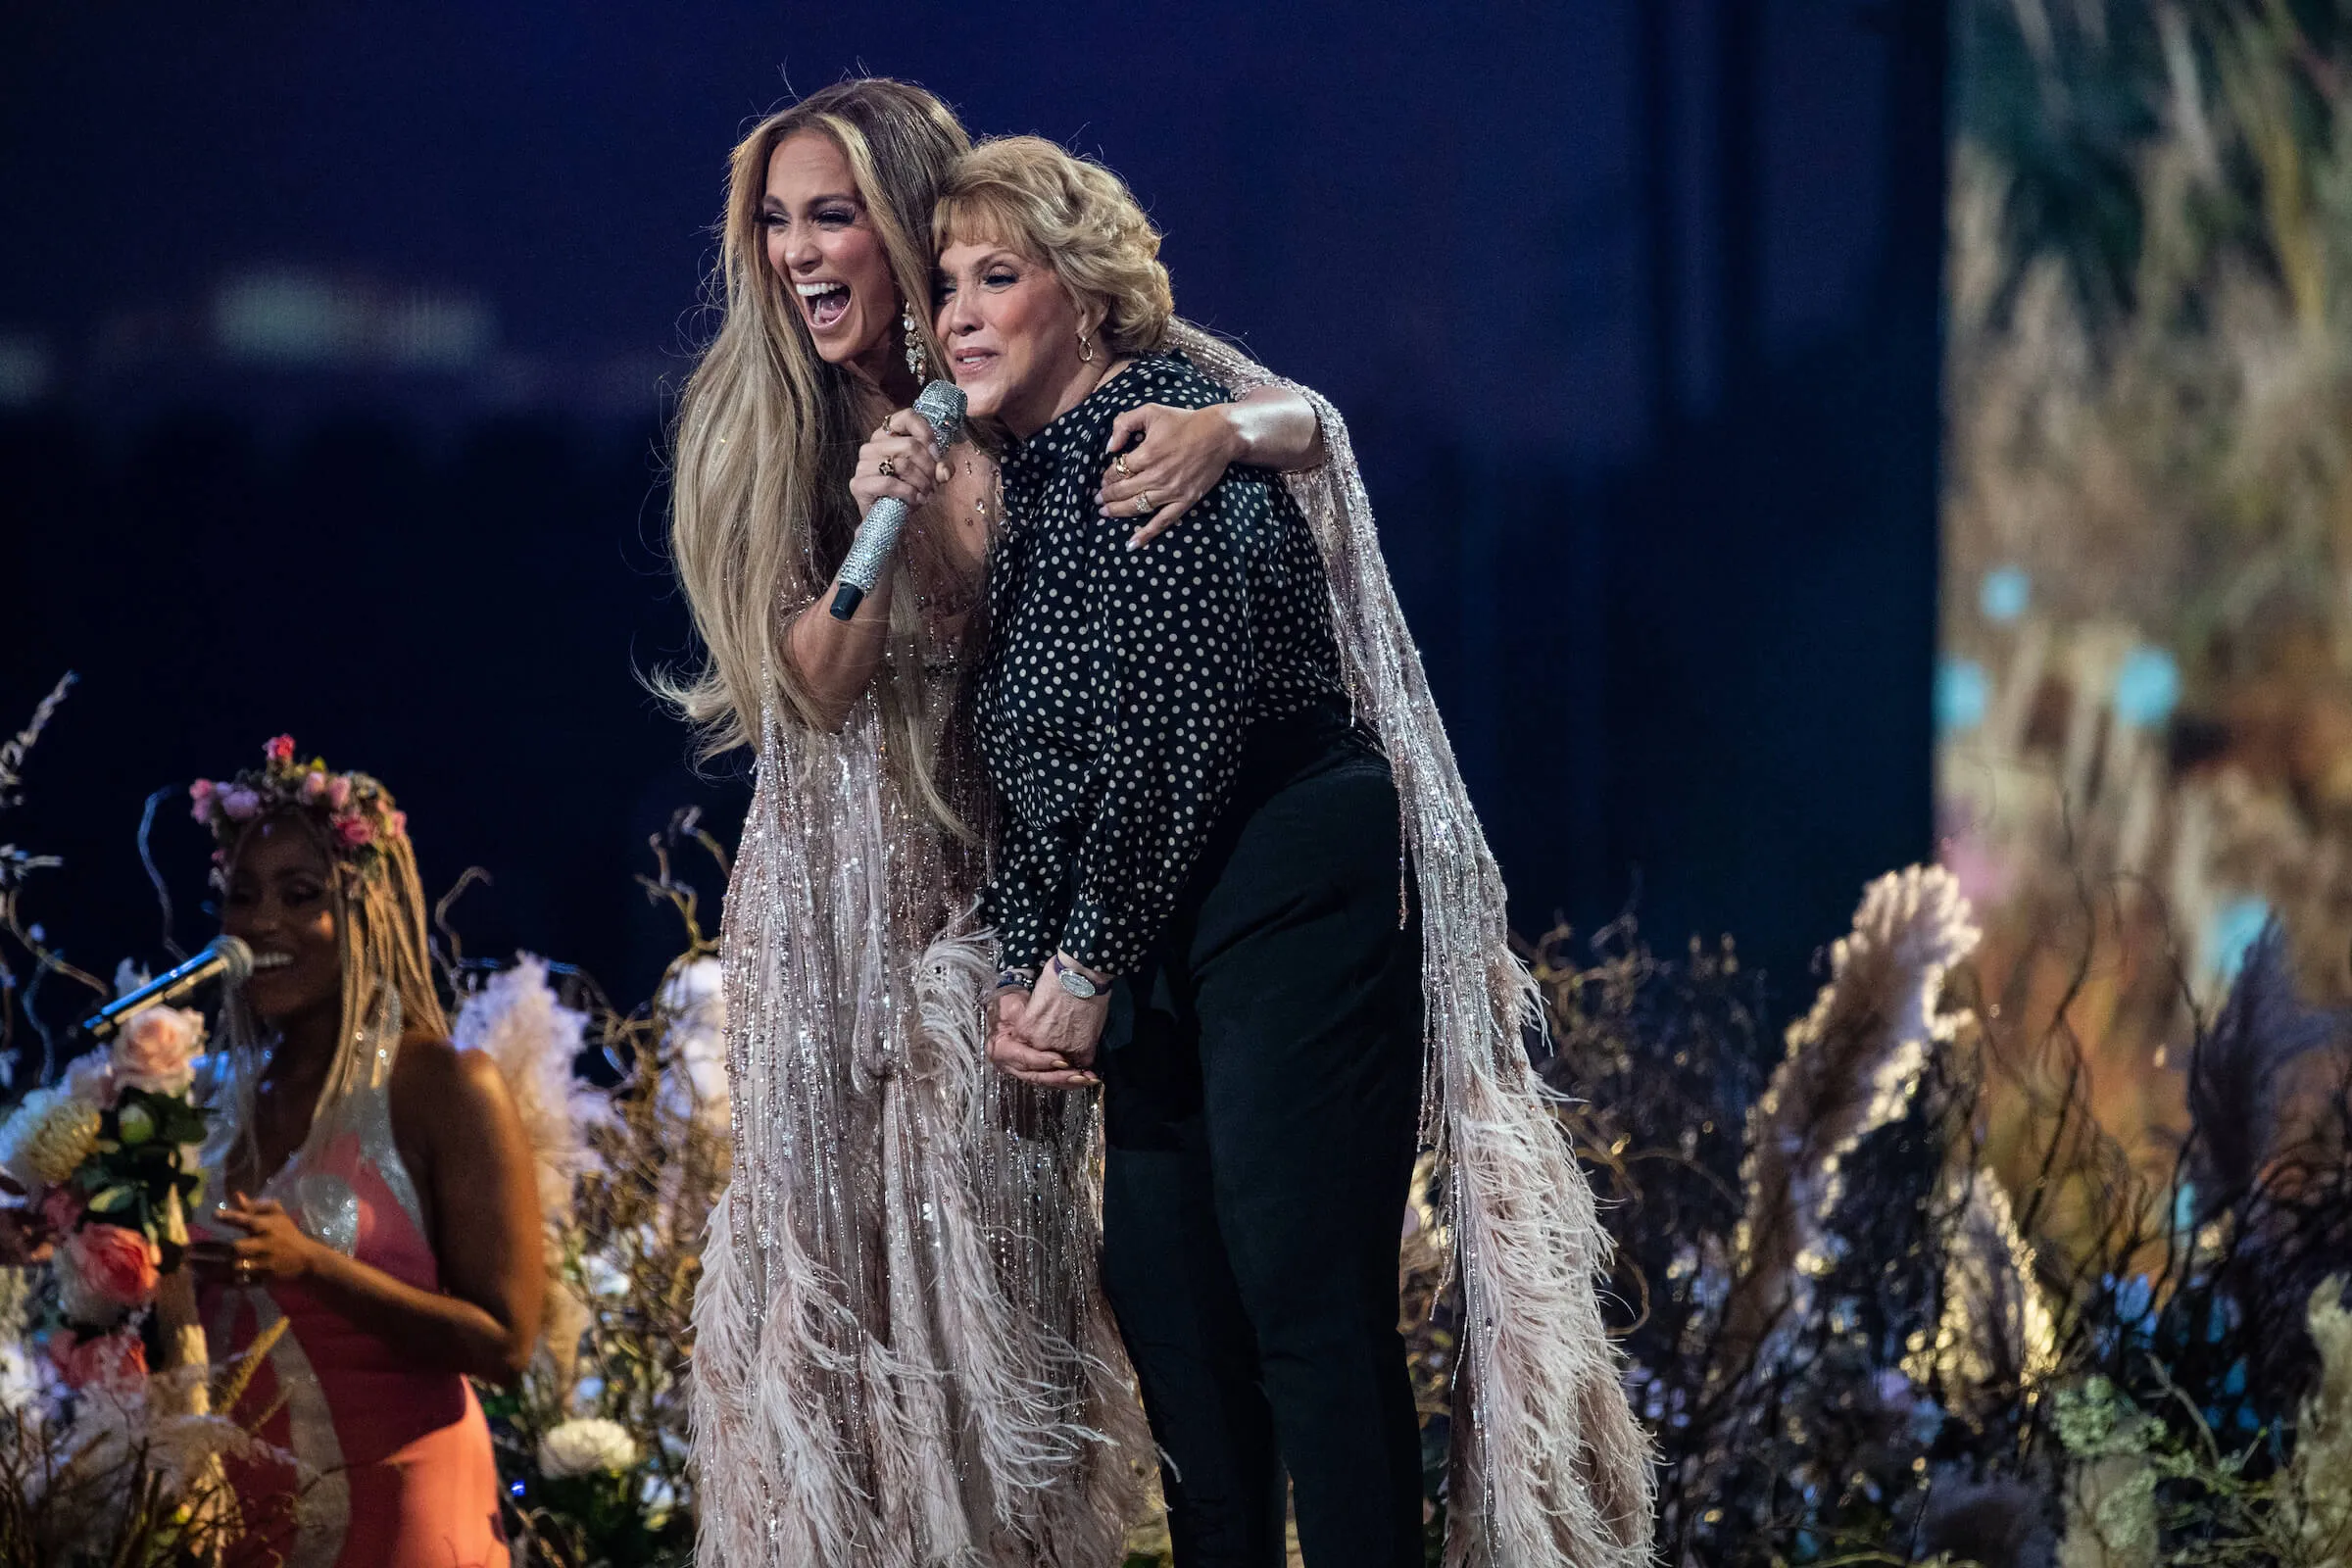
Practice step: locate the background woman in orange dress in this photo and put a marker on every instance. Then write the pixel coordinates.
(372, 1186)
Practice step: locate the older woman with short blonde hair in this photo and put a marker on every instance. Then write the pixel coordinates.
(1218, 819)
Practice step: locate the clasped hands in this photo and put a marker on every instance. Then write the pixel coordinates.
(1047, 1036)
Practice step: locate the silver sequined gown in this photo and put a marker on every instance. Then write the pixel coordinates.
(900, 1358)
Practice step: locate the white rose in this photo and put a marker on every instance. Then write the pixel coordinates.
(586, 1445)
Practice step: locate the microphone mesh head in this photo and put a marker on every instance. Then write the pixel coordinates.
(239, 957)
(942, 403)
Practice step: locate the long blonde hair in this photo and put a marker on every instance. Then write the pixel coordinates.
(767, 434)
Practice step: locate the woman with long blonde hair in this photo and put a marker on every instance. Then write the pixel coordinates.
(900, 1358)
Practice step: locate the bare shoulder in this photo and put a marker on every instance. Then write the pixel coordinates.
(434, 1084)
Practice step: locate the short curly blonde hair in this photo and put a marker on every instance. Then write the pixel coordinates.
(1072, 213)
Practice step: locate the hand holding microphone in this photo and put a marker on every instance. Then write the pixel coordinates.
(898, 470)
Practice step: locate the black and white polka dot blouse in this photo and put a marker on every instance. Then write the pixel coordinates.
(1118, 685)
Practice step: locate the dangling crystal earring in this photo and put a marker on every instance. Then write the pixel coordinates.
(1086, 350)
(914, 343)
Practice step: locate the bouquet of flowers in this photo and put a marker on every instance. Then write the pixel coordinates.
(110, 1156)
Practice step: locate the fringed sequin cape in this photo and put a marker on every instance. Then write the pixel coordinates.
(1549, 1468)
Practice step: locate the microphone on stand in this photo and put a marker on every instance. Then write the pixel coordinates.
(940, 404)
(224, 955)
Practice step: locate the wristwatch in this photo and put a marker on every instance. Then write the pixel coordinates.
(1076, 984)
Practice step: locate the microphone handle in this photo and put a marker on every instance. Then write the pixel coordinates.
(869, 550)
(172, 984)
(878, 534)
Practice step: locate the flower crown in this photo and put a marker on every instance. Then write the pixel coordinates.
(355, 810)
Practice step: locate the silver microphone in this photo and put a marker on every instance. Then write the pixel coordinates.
(940, 404)
(226, 956)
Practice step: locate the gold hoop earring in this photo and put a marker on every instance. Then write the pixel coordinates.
(1086, 350)
(915, 362)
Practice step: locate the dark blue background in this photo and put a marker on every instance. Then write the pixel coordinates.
(1632, 307)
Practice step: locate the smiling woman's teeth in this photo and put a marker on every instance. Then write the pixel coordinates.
(272, 961)
(828, 303)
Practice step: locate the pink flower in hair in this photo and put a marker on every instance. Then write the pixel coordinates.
(279, 749)
(400, 824)
(353, 831)
(200, 801)
(338, 792)
(241, 804)
(314, 785)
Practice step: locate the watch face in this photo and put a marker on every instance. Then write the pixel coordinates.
(1076, 984)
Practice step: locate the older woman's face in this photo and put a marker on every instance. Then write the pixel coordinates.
(821, 242)
(1011, 330)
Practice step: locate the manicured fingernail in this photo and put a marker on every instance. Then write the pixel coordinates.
(1135, 542)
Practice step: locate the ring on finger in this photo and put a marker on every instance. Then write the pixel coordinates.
(1144, 506)
(887, 468)
(1120, 463)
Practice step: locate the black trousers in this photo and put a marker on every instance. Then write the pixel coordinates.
(1261, 1082)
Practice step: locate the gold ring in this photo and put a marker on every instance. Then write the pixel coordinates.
(886, 468)
(1142, 504)
(1120, 463)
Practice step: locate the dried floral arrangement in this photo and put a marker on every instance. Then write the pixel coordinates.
(1856, 1341)
(594, 1441)
(2147, 679)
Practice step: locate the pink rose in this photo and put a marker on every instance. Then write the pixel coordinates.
(241, 804)
(353, 831)
(279, 749)
(200, 801)
(114, 1361)
(157, 1048)
(400, 824)
(338, 792)
(116, 1266)
(314, 785)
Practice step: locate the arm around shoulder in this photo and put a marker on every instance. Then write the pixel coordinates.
(1277, 428)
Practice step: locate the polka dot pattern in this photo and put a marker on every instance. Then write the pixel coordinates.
(1118, 685)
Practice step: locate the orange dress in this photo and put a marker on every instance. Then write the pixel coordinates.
(393, 1465)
